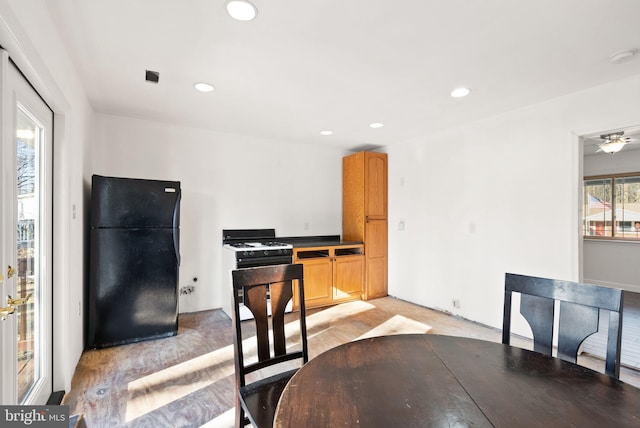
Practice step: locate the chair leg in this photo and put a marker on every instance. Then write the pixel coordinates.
(240, 419)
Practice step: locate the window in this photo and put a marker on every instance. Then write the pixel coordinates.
(612, 207)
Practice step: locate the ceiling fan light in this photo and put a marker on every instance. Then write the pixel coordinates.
(613, 146)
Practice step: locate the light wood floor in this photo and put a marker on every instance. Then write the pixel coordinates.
(187, 380)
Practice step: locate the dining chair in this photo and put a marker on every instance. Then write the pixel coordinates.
(266, 291)
(579, 305)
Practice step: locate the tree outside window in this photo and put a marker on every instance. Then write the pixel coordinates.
(25, 165)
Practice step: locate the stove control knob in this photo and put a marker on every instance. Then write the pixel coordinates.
(245, 253)
(251, 253)
(266, 252)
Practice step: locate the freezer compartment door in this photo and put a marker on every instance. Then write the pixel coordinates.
(133, 286)
(127, 202)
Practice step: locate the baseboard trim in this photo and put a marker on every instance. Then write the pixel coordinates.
(627, 287)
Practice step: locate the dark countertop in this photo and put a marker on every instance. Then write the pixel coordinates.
(317, 241)
(310, 244)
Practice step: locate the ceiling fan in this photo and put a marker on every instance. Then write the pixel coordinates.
(613, 142)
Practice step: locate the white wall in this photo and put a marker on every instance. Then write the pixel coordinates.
(32, 41)
(612, 263)
(498, 195)
(228, 182)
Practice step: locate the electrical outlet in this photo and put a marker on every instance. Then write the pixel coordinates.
(187, 289)
(456, 303)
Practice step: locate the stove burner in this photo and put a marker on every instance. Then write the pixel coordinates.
(275, 244)
(240, 245)
(258, 244)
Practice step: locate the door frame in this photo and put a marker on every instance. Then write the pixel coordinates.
(16, 89)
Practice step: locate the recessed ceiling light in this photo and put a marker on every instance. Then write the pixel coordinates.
(376, 125)
(326, 132)
(460, 92)
(242, 10)
(203, 87)
(624, 56)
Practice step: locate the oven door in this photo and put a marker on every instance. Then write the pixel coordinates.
(249, 262)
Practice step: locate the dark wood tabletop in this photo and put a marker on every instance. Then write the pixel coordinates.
(443, 381)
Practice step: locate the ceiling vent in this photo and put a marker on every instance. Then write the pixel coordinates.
(152, 76)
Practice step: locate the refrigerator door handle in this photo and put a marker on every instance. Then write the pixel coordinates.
(176, 244)
(176, 226)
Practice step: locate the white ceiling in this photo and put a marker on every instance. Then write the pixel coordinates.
(303, 66)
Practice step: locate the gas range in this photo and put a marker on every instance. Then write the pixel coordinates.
(248, 248)
(256, 247)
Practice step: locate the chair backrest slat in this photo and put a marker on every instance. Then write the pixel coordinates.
(281, 294)
(255, 299)
(580, 306)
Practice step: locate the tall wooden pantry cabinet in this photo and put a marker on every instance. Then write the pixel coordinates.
(364, 214)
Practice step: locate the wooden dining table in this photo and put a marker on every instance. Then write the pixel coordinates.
(426, 380)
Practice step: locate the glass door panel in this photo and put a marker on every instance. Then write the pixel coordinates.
(29, 136)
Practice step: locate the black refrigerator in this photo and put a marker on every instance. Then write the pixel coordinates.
(133, 260)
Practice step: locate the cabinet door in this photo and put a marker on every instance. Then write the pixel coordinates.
(376, 258)
(375, 185)
(353, 197)
(376, 278)
(348, 277)
(375, 238)
(318, 278)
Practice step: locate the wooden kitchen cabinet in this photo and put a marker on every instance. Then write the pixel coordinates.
(376, 259)
(348, 277)
(375, 186)
(318, 278)
(364, 215)
(331, 274)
